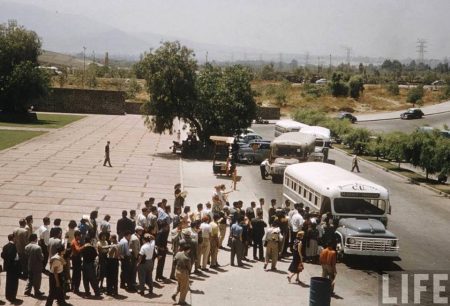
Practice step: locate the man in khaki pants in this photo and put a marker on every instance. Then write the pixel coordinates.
(214, 241)
(272, 241)
(183, 263)
(205, 228)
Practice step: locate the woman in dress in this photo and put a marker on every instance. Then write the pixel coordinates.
(296, 265)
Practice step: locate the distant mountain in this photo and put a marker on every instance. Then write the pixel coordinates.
(68, 33)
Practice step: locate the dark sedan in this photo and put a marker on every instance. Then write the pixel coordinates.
(348, 116)
(412, 113)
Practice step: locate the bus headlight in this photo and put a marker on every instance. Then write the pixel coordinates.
(393, 243)
(351, 241)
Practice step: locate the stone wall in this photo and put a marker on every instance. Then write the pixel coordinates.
(268, 113)
(133, 108)
(68, 100)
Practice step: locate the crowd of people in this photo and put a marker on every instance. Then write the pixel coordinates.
(89, 252)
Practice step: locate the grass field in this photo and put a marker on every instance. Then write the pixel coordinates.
(9, 138)
(52, 121)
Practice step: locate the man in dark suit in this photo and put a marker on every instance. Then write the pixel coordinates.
(107, 160)
(124, 224)
(12, 268)
(35, 257)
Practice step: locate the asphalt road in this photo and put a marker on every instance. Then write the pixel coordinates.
(437, 121)
(419, 219)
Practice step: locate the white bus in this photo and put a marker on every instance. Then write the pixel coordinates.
(323, 139)
(287, 149)
(288, 125)
(359, 207)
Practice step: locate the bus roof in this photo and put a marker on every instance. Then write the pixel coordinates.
(294, 139)
(329, 179)
(291, 124)
(317, 131)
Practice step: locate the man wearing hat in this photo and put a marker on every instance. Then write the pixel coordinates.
(135, 246)
(145, 264)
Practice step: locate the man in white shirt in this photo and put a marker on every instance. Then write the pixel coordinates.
(208, 211)
(296, 222)
(145, 264)
(205, 227)
(43, 233)
(142, 220)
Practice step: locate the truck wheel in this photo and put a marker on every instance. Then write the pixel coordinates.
(250, 160)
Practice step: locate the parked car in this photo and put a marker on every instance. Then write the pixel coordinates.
(248, 137)
(412, 113)
(255, 152)
(321, 81)
(347, 115)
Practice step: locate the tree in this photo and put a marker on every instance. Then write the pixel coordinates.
(394, 145)
(356, 85)
(21, 81)
(215, 101)
(268, 72)
(338, 87)
(415, 94)
(170, 75)
(225, 100)
(420, 152)
(357, 139)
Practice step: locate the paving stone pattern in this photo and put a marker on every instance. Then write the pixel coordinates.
(61, 175)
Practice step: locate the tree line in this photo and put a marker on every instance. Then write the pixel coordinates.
(429, 150)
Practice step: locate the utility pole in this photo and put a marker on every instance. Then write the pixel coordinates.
(421, 49)
(84, 64)
(330, 62)
(206, 57)
(93, 57)
(306, 59)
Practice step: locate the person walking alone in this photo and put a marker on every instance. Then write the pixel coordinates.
(355, 163)
(107, 157)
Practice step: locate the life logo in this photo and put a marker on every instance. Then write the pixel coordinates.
(414, 288)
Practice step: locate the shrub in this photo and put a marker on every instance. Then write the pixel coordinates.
(415, 94)
(393, 88)
(356, 86)
(337, 86)
(357, 139)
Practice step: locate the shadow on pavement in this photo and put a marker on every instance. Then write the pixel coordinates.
(196, 291)
(371, 265)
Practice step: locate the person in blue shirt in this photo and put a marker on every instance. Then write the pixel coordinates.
(236, 241)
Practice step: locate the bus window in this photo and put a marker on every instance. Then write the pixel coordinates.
(310, 196)
(304, 193)
(295, 186)
(357, 206)
(299, 189)
(315, 200)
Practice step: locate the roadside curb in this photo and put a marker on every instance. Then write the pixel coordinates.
(407, 179)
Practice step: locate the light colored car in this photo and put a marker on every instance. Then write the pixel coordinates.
(321, 81)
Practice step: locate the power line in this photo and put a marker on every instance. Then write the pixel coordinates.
(421, 49)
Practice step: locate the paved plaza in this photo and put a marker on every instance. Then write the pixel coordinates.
(61, 175)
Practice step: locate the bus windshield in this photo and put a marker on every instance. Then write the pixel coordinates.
(287, 151)
(359, 206)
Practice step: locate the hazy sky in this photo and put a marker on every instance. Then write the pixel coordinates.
(388, 28)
